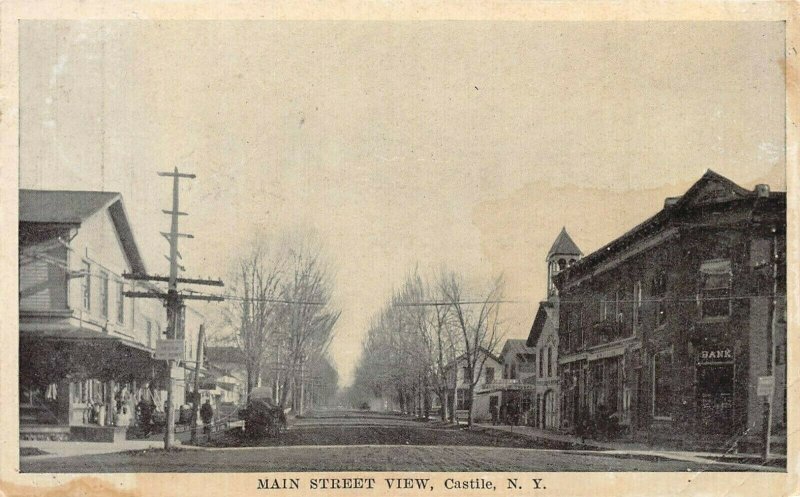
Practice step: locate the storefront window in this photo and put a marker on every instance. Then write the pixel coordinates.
(526, 401)
(662, 384)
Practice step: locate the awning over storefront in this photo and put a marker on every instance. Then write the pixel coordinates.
(604, 352)
(53, 354)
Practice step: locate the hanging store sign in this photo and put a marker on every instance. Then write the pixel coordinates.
(715, 355)
(170, 350)
(766, 385)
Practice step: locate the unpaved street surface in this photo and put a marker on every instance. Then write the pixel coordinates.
(349, 428)
(365, 442)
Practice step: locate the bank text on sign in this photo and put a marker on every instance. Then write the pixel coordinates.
(716, 355)
(167, 350)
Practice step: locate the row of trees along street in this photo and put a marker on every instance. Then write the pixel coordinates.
(285, 320)
(410, 351)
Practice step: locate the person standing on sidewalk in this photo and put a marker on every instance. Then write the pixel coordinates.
(207, 415)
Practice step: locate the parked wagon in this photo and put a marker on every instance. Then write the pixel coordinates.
(262, 417)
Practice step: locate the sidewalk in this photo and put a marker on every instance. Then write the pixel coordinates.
(74, 448)
(625, 448)
(66, 449)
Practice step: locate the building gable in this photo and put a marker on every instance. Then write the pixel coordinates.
(40, 209)
(712, 189)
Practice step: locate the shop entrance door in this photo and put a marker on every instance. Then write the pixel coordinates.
(550, 411)
(715, 398)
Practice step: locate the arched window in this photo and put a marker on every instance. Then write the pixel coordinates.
(549, 361)
(562, 264)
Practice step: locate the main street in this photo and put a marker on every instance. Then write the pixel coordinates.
(348, 441)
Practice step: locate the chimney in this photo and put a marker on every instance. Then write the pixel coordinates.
(762, 190)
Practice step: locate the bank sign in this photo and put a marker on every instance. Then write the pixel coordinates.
(715, 355)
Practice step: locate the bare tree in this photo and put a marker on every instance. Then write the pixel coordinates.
(477, 323)
(432, 326)
(253, 313)
(306, 324)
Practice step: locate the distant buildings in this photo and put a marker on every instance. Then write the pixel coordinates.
(227, 374)
(458, 374)
(672, 326)
(511, 395)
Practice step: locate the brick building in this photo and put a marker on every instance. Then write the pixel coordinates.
(671, 325)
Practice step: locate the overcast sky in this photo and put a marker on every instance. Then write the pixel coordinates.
(468, 144)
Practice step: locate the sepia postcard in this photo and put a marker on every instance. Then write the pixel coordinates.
(399, 249)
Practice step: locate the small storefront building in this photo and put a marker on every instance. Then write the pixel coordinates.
(85, 349)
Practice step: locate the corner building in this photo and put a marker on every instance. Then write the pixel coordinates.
(670, 326)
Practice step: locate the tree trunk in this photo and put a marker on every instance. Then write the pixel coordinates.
(284, 391)
(471, 405)
(443, 402)
(454, 414)
(251, 380)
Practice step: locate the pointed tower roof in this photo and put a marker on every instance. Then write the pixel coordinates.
(564, 245)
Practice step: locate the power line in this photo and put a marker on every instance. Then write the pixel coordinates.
(262, 299)
(461, 302)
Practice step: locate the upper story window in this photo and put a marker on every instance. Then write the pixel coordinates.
(715, 288)
(637, 304)
(489, 375)
(149, 327)
(549, 361)
(513, 371)
(659, 294)
(565, 329)
(86, 286)
(526, 362)
(104, 294)
(465, 375)
(541, 362)
(120, 302)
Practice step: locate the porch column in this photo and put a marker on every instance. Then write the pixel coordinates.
(63, 402)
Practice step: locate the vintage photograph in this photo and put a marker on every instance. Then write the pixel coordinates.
(435, 246)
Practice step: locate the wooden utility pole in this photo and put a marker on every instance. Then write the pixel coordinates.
(198, 366)
(173, 300)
